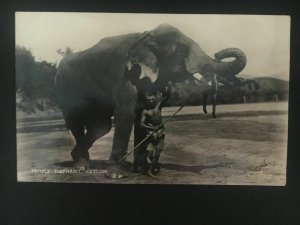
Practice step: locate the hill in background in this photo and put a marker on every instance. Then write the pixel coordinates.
(270, 89)
(281, 76)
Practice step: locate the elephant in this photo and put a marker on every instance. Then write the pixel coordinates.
(98, 84)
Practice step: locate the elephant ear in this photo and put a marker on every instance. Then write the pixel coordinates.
(143, 53)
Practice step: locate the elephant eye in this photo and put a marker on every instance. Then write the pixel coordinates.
(171, 49)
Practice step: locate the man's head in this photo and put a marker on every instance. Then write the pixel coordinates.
(150, 102)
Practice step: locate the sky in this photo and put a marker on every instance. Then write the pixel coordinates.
(264, 39)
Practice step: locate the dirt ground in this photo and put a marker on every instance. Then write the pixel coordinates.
(245, 145)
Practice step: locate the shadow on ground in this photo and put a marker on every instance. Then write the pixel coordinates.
(192, 168)
(95, 164)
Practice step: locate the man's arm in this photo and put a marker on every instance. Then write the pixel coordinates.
(160, 104)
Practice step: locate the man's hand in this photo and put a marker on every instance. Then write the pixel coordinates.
(159, 127)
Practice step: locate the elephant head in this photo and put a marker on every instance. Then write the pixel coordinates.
(166, 54)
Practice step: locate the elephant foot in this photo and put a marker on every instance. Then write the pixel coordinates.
(136, 169)
(205, 111)
(82, 164)
(115, 171)
(74, 156)
(126, 165)
(77, 155)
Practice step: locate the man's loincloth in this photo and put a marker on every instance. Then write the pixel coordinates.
(156, 141)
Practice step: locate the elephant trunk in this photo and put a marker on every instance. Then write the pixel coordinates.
(233, 67)
(198, 61)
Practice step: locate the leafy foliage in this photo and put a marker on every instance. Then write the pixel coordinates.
(25, 71)
(34, 81)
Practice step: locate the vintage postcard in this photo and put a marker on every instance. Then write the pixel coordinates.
(152, 98)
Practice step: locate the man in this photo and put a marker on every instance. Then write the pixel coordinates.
(151, 120)
(140, 133)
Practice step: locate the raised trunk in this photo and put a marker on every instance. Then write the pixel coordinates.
(233, 67)
(199, 61)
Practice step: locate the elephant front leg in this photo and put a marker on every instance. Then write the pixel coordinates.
(140, 154)
(123, 125)
(124, 119)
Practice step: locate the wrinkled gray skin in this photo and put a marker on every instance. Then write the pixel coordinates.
(91, 86)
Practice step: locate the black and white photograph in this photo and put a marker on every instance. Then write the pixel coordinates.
(136, 98)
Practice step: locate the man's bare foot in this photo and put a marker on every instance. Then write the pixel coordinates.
(151, 174)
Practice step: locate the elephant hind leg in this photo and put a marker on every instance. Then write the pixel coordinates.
(77, 130)
(94, 131)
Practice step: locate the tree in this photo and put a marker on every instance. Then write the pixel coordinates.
(34, 81)
(25, 71)
(44, 83)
